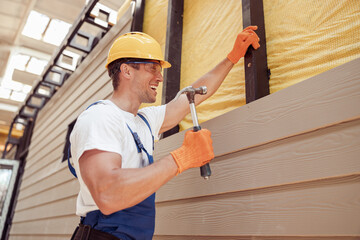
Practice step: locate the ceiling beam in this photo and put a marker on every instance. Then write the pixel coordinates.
(25, 50)
(24, 77)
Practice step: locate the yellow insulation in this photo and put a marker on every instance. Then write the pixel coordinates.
(209, 30)
(304, 38)
(155, 19)
(308, 37)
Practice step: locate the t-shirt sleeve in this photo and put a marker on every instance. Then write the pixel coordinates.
(155, 117)
(97, 128)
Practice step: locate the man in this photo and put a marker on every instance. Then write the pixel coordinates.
(112, 141)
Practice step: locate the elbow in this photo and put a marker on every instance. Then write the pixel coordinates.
(107, 204)
(104, 207)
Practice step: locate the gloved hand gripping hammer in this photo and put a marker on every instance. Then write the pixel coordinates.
(190, 92)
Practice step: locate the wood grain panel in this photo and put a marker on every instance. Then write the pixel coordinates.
(12, 8)
(182, 237)
(326, 99)
(328, 152)
(53, 144)
(53, 166)
(91, 65)
(47, 157)
(286, 167)
(99, 93)
(48, 193)
(59, 116)
(40, 237)
(67, 189)
(60, 124)
(51, 181)
(9, 22)
(66, 206)
(321, 208)
(45, 140)
(46, 226)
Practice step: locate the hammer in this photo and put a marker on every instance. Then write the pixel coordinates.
(190, 92)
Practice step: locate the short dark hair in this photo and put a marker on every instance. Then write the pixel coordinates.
(114, 69)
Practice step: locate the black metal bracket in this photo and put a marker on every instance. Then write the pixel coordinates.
(35, 102)
(173, 54)
(56, 76)
(255, 61)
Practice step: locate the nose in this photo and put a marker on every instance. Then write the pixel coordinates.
(159, 77)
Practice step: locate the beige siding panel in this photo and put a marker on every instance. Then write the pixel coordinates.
(80, 76)
(47, 157)
(92, 67)
(97, 90)
(50, 210)
(60, 123)
(326, 153)
(44, 172)
(46, 203)
(97, 82)
(321, 208)
(182, 237)
(286, 165)
(326, 99)
(41, 237)
(51, 181)
(103, 91)
(51, 226)
(65, 190)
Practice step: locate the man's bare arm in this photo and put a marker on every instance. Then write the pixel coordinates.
(177, 109)
(114, 188)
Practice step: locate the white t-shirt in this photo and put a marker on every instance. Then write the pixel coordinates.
(103, 126)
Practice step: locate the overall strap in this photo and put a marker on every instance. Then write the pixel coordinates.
(71, 168)
(138, 143)
(147, 123)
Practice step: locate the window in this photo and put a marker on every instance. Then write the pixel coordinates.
(41, 27)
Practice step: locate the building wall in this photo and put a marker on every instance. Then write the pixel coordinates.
(303, 39)
(46, 203)
(287, 165)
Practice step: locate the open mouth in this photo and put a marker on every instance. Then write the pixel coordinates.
(153, 88)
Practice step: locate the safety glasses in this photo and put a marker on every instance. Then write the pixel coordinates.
(152, 67)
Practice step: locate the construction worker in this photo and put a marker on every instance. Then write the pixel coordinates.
(112, 141)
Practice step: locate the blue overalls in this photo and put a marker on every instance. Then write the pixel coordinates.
(137, 222)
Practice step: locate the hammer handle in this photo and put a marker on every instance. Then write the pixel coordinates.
(205, 170)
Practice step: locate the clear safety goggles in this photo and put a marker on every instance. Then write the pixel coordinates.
(152, 67)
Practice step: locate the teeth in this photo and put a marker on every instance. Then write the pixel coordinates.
(153, 87)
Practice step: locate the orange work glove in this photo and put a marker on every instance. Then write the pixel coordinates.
(196, 151)
(244, 39)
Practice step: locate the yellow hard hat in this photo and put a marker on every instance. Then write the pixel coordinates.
(136, 45)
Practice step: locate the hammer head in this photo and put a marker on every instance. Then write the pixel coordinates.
(191, 91)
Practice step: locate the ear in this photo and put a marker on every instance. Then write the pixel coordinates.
(125, 71)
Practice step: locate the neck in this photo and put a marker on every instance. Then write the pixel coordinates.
(125, 103)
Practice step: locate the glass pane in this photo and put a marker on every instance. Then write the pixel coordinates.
(35, 25)
(5, 176)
